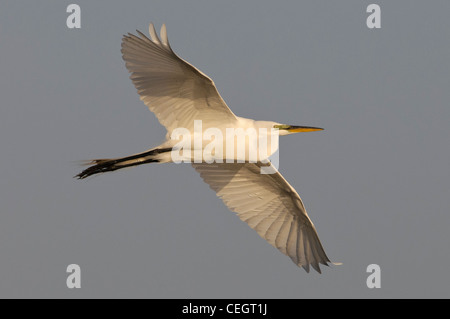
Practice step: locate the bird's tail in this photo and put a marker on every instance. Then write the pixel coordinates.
(113, 164)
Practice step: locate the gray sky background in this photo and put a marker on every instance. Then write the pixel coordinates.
(376, 182)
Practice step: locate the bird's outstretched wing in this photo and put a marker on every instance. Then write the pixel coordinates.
(269, 205)
(173, 89)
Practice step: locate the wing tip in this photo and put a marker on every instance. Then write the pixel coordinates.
(316, 265)
(164, 38)
(153, 34)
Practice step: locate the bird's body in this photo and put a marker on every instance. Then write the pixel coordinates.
(228, 151)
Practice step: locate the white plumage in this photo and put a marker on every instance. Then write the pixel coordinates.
(178, 93)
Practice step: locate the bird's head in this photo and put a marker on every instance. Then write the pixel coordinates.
(285, 129)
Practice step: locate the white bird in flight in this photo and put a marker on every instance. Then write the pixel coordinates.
(178, 93)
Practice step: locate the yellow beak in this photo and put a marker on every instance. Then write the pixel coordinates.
(298, 129)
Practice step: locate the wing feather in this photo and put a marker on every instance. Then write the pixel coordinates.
(173, 89)
(269, 205)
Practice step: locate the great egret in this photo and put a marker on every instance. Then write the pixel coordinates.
(178, 94)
